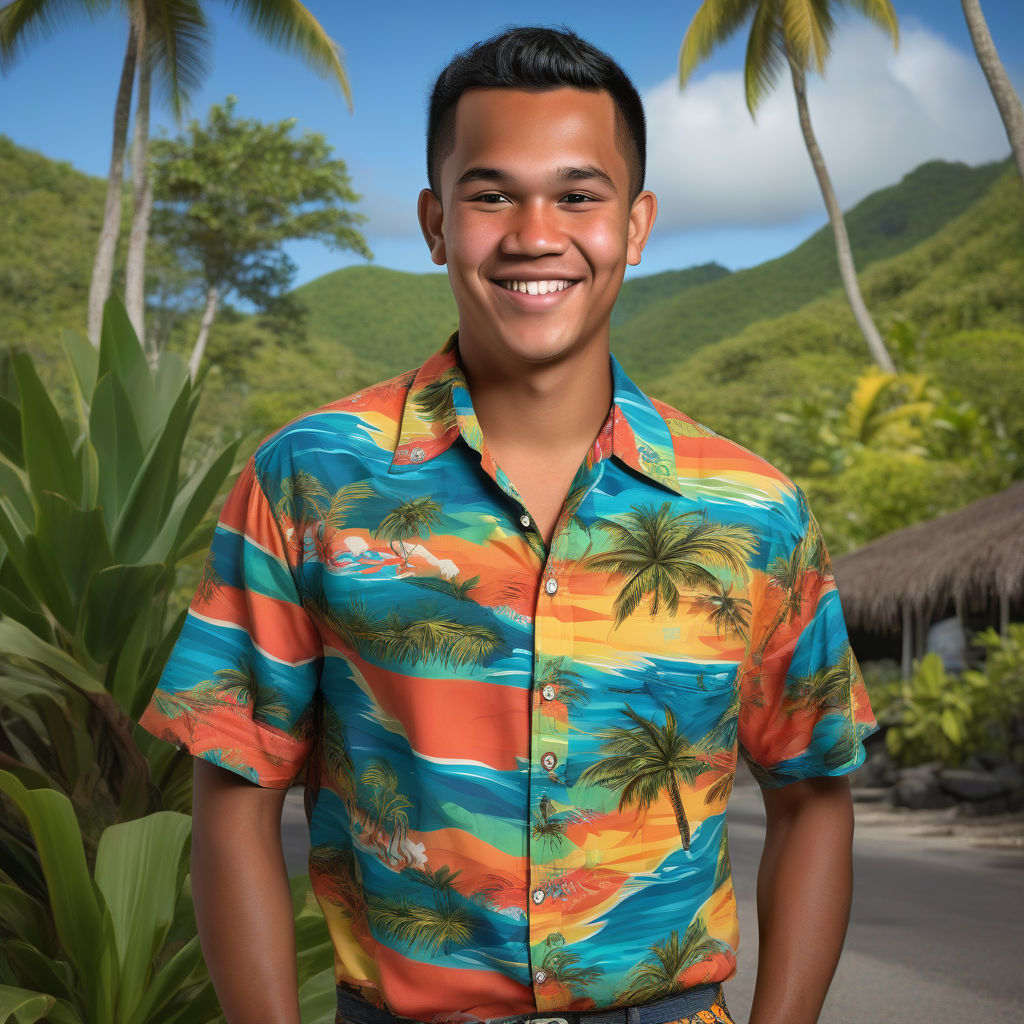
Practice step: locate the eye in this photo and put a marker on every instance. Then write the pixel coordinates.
(490, 198)
(577, 197)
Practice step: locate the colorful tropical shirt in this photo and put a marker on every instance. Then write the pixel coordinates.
(517, 756)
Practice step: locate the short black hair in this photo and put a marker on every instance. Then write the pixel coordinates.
(535, 58)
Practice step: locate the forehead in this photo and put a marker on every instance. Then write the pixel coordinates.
(521, 131)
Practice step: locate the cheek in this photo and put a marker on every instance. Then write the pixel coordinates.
(469, 240)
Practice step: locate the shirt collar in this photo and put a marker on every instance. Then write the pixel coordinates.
(438, 409)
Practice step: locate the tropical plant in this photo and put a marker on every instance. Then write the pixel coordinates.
(1003, 92)
(660, 975)
(644, 760)
(562, 966)
(168, 38)
(388, 808)
(568, 683)
(797, 36)
(934, 719)
(999, 692)
(212, 211)
(120, 946)
(659, 551)
(412, 518)
(98, 512)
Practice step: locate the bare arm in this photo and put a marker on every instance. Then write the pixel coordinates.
(243, 902)
(804, 889)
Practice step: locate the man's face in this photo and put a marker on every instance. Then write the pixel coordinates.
(535, 222)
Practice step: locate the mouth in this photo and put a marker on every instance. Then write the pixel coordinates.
(536, 287)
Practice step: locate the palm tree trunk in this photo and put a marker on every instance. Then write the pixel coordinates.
(1007, 100)
(680, 812)
(135, 267)
(844, 254)
(212, 298)
(106, 249)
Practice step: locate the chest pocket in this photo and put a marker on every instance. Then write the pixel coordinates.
(704, 702)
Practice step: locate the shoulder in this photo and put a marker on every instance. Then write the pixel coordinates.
(364, 426)
(732, 474)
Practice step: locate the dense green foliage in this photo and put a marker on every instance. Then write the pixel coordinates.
(939, 716)
(98, 511)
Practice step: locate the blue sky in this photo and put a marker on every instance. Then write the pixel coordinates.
(730, 190)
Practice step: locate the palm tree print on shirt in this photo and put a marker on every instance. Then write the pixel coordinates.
(306, 506)
(659, 976)
(410, 519)
(728, 614)
(644, 760)
(387, 819)
(426, 928)
(659, 552)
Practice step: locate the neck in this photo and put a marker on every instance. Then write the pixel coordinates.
(554, 406)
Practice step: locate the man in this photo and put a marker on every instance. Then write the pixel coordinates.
(516, 620)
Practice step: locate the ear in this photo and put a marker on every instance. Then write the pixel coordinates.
(431, 216)
(641, 220)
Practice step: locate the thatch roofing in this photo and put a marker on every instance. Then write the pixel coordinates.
(968, 556)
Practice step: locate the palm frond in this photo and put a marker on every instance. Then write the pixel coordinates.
(178, 42)
(807, 26)
(24, 22)
(715, 22)
(289, 24)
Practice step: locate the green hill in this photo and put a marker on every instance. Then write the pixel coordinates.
(882, 225)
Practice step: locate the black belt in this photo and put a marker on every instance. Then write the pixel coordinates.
(357, 1011)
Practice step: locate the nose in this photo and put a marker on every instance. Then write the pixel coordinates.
(534, 230)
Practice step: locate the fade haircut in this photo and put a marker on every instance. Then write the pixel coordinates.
(540, 59)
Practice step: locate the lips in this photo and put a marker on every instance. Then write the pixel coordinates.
(545, 287)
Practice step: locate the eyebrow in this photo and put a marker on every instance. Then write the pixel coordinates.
(588, 172)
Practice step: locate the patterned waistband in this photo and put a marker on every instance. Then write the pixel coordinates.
(704, 1000)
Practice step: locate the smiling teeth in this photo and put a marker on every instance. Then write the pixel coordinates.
(536, 287)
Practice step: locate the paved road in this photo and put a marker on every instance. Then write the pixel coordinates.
(936, 933)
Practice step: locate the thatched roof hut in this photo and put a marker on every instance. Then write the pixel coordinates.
(967, 558)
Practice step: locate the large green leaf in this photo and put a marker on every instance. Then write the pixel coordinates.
(115, 598)
(138, 870)
(25, 917)
(114, 432)
(84, 361)
(122, 355)
(14, 487)
(191, 504)
(72, 545)
(168, 982)
(318, 998)
(171, 376)
(10, 431)
(19, 1006)
(19, 640)
(155, 487)
(49, 459)
(77, 913)
(38, 971)
(22, 606)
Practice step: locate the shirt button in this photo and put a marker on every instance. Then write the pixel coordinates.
(537, 896)
(524, 519)
(540, 977)
(549, 760)
(417, 455)
(551, 586)
(548, 693)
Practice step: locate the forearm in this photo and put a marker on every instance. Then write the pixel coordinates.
(804, 889)
(243, 901)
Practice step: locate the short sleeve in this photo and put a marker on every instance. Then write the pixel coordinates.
(804, 708)
(239, 687)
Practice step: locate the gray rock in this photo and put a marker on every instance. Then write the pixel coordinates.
(971, 785)
(920, 792)
(980, 808)
(1010, 775)
(928, 768)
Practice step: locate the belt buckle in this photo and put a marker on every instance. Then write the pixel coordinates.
(546, 1020)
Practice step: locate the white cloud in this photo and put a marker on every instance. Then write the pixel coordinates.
(878, 114)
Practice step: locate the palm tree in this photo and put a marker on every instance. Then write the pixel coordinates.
(560, 965)
(659, 976)
(569, 684)
(410, 519)
(787, 575)
(450, 641)
(430, 928)
(830, 688)
(166, 38)
(643, 760)
(1007, 100)
(390, 807)
(243, 685)
(797, 34)
(334, 512)
(659, 551)
(726, 613)
(435, 400)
